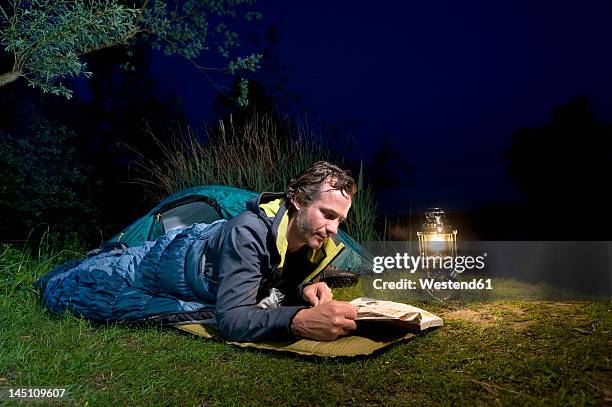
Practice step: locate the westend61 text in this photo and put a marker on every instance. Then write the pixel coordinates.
(412, 263)
(432, 284)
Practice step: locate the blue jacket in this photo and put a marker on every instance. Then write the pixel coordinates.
(223, 270)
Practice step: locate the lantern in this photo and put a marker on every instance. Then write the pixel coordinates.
(437, 237)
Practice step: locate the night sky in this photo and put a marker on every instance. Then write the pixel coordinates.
(448, 82)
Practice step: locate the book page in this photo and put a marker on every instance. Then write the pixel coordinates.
(404, 314)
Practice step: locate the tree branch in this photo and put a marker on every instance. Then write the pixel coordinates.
(203, 71)
(9, 77)
(122, 40)
(69, 31)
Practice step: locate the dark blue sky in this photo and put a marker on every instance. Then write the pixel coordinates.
(448, 81)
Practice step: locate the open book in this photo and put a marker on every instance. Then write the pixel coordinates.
(370, 309)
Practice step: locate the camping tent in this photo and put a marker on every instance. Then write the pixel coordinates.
(206, 204)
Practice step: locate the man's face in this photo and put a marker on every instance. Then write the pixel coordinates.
(321, 217)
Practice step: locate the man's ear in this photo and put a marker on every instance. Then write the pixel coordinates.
(295, 204)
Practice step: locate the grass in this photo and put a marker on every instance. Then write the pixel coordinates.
(260, 153)
(360, 223)
(509, 352)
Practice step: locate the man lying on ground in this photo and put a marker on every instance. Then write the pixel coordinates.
(248, 273)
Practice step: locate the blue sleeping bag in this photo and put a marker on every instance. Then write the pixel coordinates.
(156, 279)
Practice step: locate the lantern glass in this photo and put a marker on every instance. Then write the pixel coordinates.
(437, 237)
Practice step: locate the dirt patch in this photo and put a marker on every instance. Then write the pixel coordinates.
(99, 381)
(476, 316)
(131, 343)
(514, 310)
(488, 314)
(513, 313)
(504, 310)
(602, 383)
(7, 378)
(522, 325)
(562, 305)
(561, 308)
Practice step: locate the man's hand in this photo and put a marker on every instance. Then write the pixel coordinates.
(316, 294)
(325, 322)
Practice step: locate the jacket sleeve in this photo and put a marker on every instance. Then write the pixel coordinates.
(237, 314)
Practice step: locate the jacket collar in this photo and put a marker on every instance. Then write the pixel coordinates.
(273, 208)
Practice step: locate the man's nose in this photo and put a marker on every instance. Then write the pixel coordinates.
(332, 227)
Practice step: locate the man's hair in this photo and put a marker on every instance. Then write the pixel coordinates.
(307, 186)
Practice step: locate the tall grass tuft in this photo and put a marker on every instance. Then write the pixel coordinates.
(20, 267)
(360, 222)
(260, 154)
